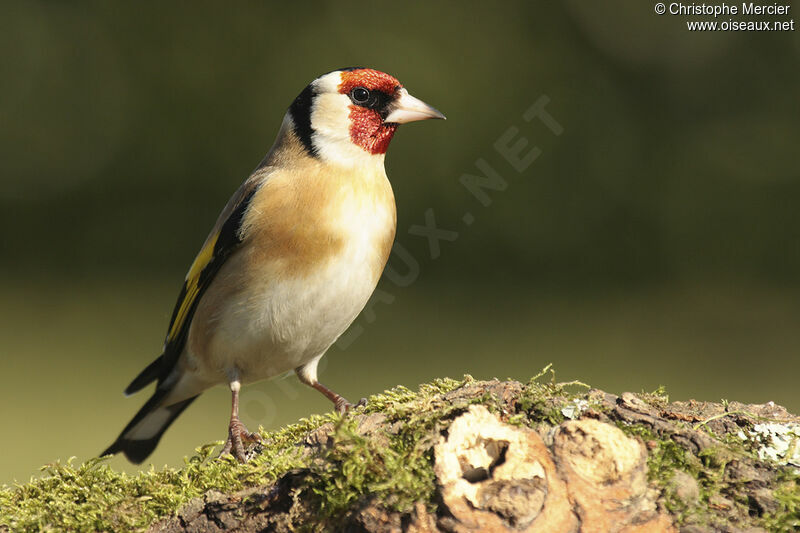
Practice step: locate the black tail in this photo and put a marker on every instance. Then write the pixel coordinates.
(150, 423)
(153, 371)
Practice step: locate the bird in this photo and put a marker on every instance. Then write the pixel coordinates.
(291, 261)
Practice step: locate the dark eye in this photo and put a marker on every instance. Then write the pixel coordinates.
(359, 95)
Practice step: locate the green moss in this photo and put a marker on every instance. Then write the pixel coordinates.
(787, 493)
(397, 473)
(708, 469)
(78, 498)
(544, 401)
(394, 468)
(665, 457)
(658, 398)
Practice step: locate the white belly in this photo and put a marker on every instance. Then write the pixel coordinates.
(282, 322)
(294, 321)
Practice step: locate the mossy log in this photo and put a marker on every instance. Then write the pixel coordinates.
(462, 456)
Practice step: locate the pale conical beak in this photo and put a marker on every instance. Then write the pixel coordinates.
(406, 108)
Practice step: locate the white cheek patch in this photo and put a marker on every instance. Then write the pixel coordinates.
(329, 83)
(330, 120)
(330, 116)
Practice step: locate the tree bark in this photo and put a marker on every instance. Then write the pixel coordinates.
(528, 458)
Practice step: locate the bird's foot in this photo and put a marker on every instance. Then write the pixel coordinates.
(342, 405)
(238, 435)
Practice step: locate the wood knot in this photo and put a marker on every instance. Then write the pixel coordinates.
(497, 477)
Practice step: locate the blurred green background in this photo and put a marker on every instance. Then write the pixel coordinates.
(654, 242)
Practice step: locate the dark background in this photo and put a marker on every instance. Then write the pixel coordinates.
(653, 242)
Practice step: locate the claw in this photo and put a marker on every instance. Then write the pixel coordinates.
(238, 435)
(343, 406)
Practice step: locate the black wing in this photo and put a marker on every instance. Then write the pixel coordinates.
(224, 239)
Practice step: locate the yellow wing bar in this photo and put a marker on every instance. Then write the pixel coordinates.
(220, 244)
(192, 287)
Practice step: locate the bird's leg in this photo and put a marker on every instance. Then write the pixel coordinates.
(237, 432)
(308, 374)
(339, 401)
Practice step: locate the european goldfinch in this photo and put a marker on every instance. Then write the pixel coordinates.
(291, 260)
